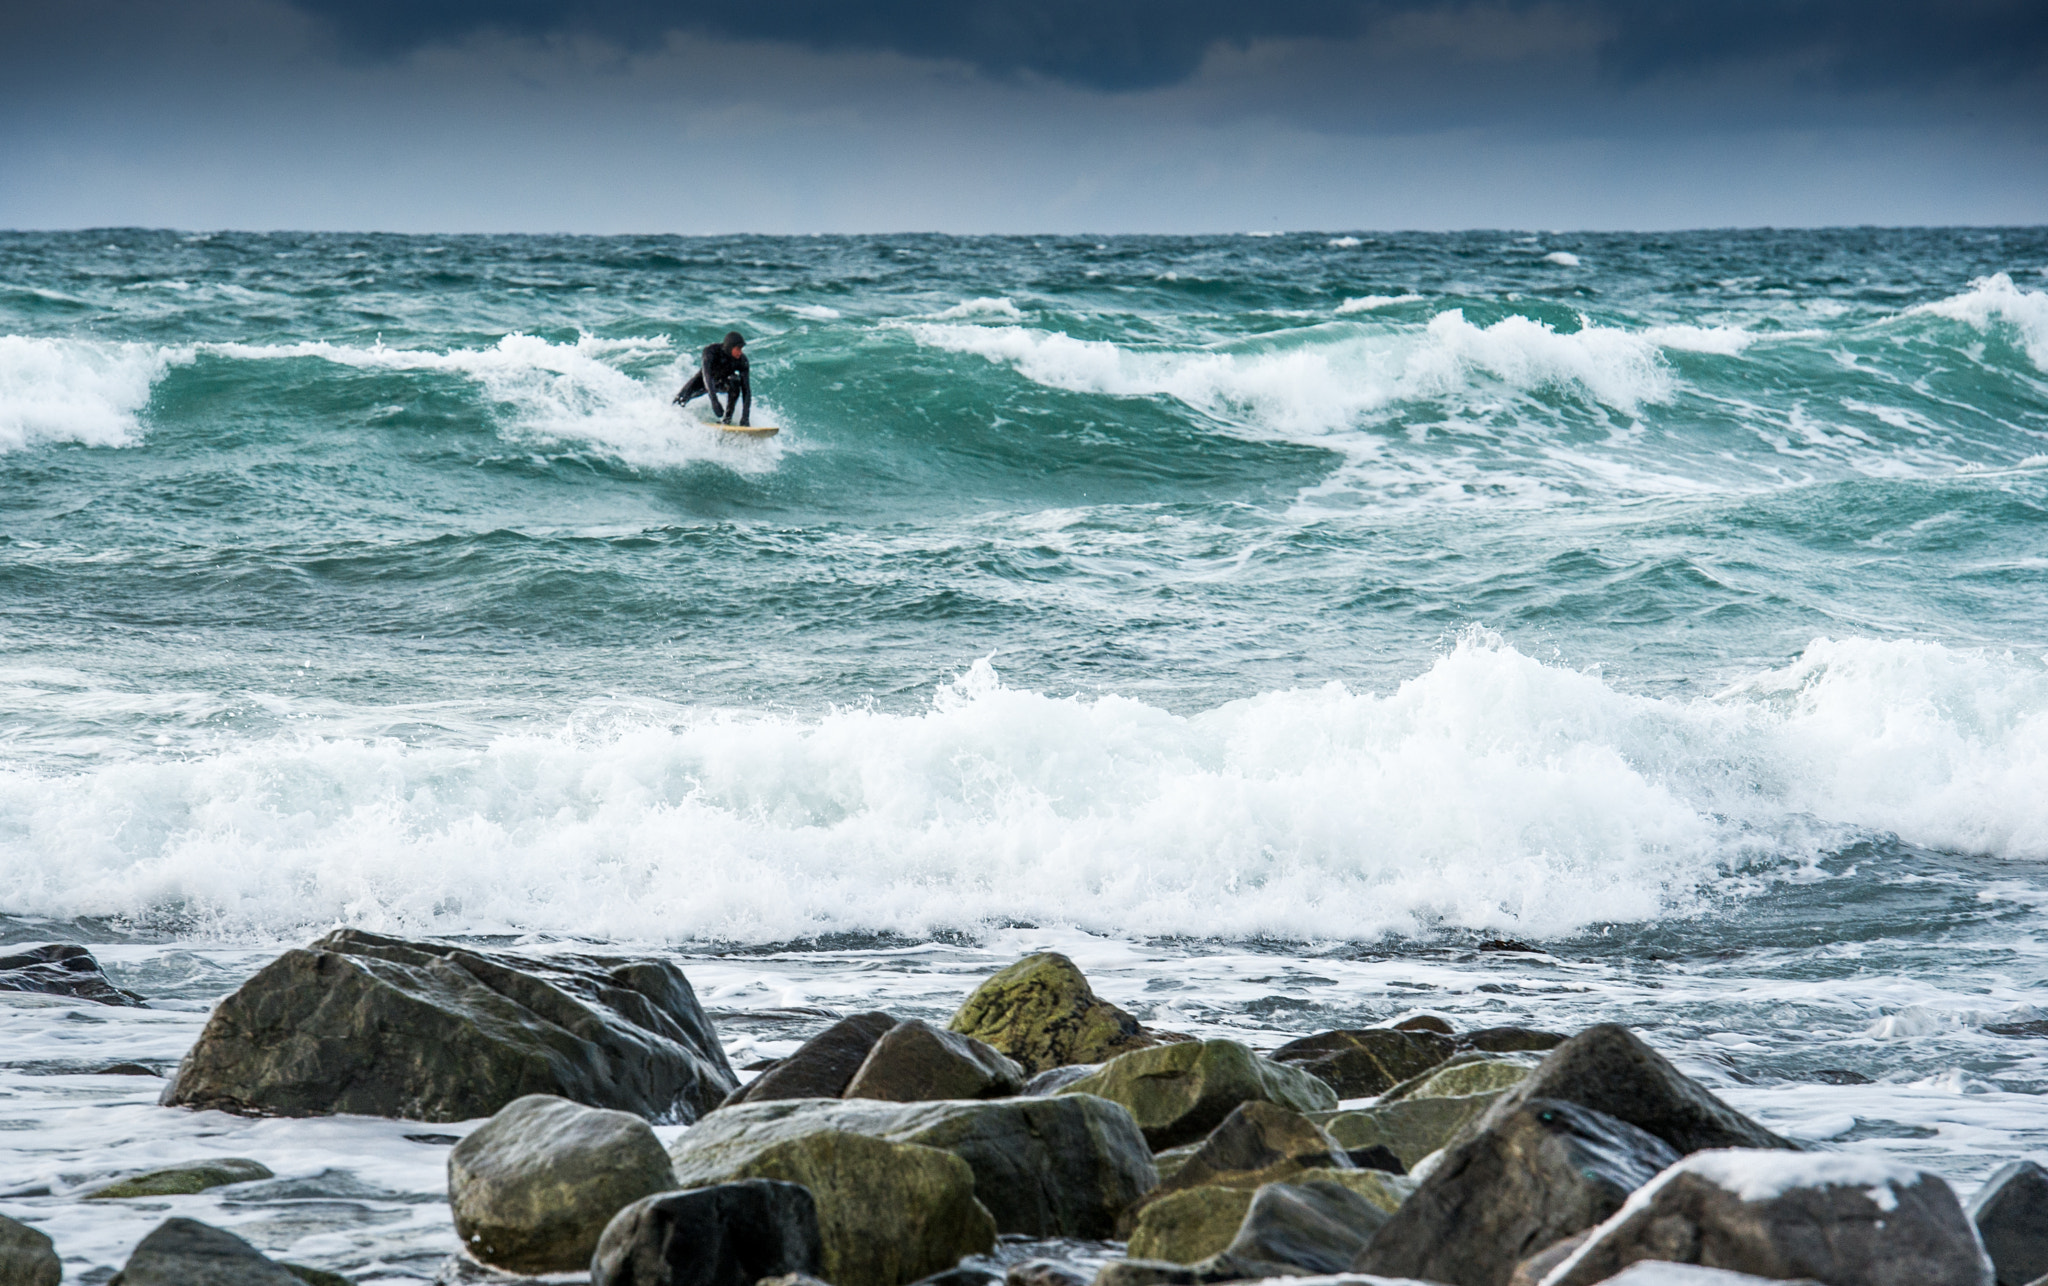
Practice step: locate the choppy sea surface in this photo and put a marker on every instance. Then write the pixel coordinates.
(1266, 621)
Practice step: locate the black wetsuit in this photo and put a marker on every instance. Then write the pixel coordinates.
(721, 372)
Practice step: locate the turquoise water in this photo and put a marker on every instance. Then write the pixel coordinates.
(1266, 621)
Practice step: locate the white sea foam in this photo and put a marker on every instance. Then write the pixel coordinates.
(1367, 303)
(998, 307)
(71, 390)
(1562, 258)
(1333, 379)
(815, 312)
(1489, 791)
(1345, 243)
(1727, 341)
(569, 394)
(1994, 299)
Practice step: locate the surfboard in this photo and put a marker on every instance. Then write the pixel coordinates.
(742, 430)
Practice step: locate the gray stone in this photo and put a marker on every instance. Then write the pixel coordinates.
(2011, 1214)
(1363, 1061)
(822, 1066)
(1320, 1227)
(1178, 1093)
(533, 1188)
(733, 1234)
(185, 1252)
(917, 1062)
(1607, 1069)
(1045, 1167)
(1511, 1040)
(961, 1276)
(1259, 1142)
(182, 1180)
(1832, 1217)
(1542, 1172)
(27, 1256)
(430, 1031)
(1463, 1075)
(63, 969)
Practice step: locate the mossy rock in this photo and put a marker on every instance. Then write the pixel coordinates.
(889, 1213)
(183, 1180)
(1178, 1093)
(1259, 1142)
(1365, 1061)
(1190, 1225)
(1464, 1075)
(1042, 1013)
(1410, 1128)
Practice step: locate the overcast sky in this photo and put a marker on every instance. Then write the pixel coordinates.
(1067, 116)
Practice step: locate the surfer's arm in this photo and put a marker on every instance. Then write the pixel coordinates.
(746, 393)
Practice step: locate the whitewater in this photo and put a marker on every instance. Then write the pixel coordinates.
(1299, 631)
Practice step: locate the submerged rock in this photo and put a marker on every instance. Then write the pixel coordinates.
(1364, 1061)
(27, 1256)
(1541, 1172)
(1178, 1093)
(185, 1252)
(1042, 1012)
(733, 1234)
(1044, 1167)
(2011, 1214)
(1831, 1217)
(533, 1188)
(430, 1031)
(823, 1066)
(917, 1062)
(1608, 1069)
(888, 1213)
(63, 969)
(181, 1180)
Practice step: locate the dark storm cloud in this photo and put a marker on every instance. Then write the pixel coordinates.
(1146, 44)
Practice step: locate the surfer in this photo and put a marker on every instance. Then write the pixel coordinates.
(722, 369)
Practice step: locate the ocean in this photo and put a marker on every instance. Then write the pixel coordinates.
(1267, 621)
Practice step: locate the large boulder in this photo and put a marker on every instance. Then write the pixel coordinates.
(27, 1256)
(1045, 1167)
(1178, 1093)
(917, 1062)
(1608, 1069)
(63, 969)
(1539, 1173)
(2011, 1214)
(888, 1213)
(533, 1187)
(185, 1252)
(182, 1180)
(431, 1031)
(733, 1234)
(1358, 1062)
(1410, 1128)
(1855, 1220)
(1042, 1012)
(822, 1066)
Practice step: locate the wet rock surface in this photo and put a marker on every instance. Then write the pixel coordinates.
(2011, 1215)
(1062, 1166)
(27, 1256)
(823, 1066)
(62, 969)
(1178, 1093)
(1538, 1173)
(185, 1252)
(533, 1188)
(1361, 1062)
(1831, 1217)
(181, 1180)
(916, 1062)
(430, 1031)
(731, 1234)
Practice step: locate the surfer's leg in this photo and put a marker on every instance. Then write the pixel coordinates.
(747, 392)
(692, 391)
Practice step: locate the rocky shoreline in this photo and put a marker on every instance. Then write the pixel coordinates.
(885, 1152)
